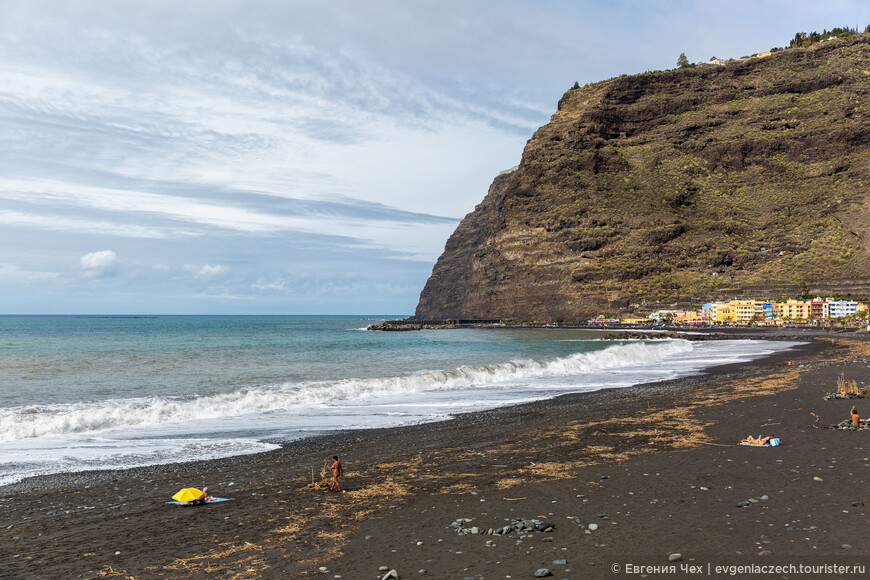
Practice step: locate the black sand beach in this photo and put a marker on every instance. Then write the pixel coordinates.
(655, 467)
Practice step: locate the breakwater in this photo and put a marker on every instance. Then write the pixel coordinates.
(412, 324)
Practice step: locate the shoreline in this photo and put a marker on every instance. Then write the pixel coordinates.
(64, 526)
(65, 478)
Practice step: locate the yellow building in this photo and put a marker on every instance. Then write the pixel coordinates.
(792, 310)
(744, 311)
(722, 313)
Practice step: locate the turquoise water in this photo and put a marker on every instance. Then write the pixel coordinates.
(65, 359)
(79, 392)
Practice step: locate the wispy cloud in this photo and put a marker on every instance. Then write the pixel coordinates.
(56, 222)
(246, 213)
(207, 272)
(270, 148)
(12, 275)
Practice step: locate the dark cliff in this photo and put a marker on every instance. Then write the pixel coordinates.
(748, 179)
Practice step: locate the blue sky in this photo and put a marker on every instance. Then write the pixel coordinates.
(283, 157)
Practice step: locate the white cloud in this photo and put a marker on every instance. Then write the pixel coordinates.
(207, 272)
(270, 286)
(102, 264)
(98, 260)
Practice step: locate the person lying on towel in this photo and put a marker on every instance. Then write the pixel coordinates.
(757, 440)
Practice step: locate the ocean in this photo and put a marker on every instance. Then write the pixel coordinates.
(103, 392)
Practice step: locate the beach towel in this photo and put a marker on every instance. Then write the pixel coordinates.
(215, 500)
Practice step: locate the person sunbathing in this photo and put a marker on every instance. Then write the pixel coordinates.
(757, 440)
(856, 419)
(202, 499)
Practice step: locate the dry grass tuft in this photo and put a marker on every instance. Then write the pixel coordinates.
(462, 487)
(551, 470)
(246, 562)
(849, 387)
(509, 482)
(389, 488)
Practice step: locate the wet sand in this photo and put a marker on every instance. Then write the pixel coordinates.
(631, 461)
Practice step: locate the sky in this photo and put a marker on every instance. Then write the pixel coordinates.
(289, 157)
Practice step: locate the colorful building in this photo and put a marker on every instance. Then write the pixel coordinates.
(707, 311)
(666, 315)
(792, 310)
(690, 317)
(722, 313)
(821, 308)
(758, 311)
(744, 311)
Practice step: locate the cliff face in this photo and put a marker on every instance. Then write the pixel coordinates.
(749, 179)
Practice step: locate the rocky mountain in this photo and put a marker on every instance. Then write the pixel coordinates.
(750, 178)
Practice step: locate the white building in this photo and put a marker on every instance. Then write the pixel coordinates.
(842, 308)
(663, 315)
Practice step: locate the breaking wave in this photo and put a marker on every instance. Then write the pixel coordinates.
(94, 417)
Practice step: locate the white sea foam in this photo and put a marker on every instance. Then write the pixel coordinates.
(95, 417)
(56, 454)
(127, 432)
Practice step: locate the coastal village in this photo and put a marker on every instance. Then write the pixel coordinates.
(818, 312)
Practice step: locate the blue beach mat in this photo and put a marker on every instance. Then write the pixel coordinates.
(215, 500)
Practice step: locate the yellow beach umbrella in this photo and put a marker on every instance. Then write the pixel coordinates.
(187, 494)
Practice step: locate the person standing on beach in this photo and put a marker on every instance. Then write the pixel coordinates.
(856, 419)
(337, 472)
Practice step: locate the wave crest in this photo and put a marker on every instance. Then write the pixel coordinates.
(94, 417)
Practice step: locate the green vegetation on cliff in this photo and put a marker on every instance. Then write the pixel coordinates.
(805, 40)
(698, 183)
